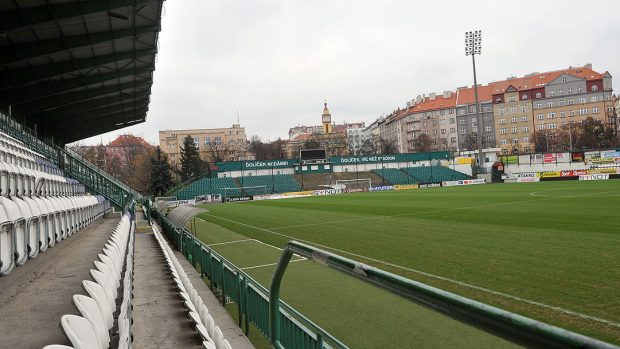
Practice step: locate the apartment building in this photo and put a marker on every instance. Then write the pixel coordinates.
(229, 144)
(434, 116)
(544, 102)
(467, 121)
(393, 130)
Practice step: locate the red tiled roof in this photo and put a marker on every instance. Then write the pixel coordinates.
(438, 103)
(467, 96)
(129, 140)
(541, 79)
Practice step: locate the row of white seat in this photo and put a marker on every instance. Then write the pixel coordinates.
(18, 153)
(211, 334)
(31, 223)
(97, 327)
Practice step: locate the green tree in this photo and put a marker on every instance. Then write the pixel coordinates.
(161, 178)
(191, 164)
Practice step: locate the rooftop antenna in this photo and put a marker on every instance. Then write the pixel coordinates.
(238, 116)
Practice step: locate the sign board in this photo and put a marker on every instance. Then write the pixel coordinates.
(594, 177)
(463, 182)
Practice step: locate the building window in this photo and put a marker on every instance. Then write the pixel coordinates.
(562, 114)
(579, 89)
(594, 99)
(462, 131)
(582, 100)
(502, 131)
(526, 139)
(552, 93)
(540, 116)
(462, 121)
(487, 129)
(524, 96)
(541, 127)
(569, 102)
(502, 111)
(571, 113)
(487, 108)
(538, 105)
(561, 92)
(524, 118)
(461, 111)
(513, 130)
(551, 115)
(523, 108)
(538, 95)
(503, 142)
(443, 131)
(561, 102)
(564, 79)
(512, 99)
(515, 141)
(451, 120)
(595, 110)
(525, 129)
(549, 104)
(512, 109)
(502, 121)
(594, 88)
(552, 126)
(513, 119)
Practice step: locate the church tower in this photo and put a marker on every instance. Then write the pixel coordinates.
(327, 120)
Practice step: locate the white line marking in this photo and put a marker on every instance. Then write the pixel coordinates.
(437, 210)
(229, 242)
(535, 194)
(460, 283)
(271, 264)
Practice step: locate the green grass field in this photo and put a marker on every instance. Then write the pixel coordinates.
(548, 250)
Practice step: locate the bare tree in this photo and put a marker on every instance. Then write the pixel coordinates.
(422, 143)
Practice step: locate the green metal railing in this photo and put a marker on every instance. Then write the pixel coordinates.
(250, 297)
(510, 326)
(94, 178)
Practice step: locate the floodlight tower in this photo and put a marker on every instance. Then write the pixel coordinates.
(473, 47)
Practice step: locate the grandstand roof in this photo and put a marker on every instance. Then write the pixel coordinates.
(75, 69)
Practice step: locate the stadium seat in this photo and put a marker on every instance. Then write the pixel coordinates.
(90, 310)
(96, 292)
(57, 346)
(80, 332)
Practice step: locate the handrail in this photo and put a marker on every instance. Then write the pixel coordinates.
(510, 326)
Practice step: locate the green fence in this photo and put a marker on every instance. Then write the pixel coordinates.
(250, 297)
(94, 178)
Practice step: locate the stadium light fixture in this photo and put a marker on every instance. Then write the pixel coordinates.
(473, 47)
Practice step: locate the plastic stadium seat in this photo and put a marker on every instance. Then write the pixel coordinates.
(57, 346)
(107, 286)
(96, 292)
(90, 311)
(209, 345)
(80, 332)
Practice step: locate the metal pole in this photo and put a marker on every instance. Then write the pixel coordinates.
(478, 115)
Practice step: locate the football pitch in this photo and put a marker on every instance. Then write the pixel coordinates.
(548, 250)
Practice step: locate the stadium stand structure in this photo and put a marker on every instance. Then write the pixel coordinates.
(395, 176)
(208, 186)
(420, 174)
(433, 174)
(272, 184)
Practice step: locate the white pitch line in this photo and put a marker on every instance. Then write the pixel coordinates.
(460, 283)
(271, 264)
(229, 242)
(438, 210)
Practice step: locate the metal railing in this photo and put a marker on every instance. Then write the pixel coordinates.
(510, 326)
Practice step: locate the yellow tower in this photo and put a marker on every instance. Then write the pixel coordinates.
(327, 120)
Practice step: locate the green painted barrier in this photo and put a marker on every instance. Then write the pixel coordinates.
(510, 326)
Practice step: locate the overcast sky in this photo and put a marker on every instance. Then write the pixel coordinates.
(277, 60)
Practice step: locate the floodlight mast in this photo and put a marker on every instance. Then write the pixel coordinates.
(473, 47)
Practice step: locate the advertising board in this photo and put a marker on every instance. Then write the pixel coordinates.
(573, 173)
(528, 179)
(577, 156)
(239, 199)
(405, 186)
(381, 188)
(594, 177)
(463, 182)
(550, 174)
(430, 185)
